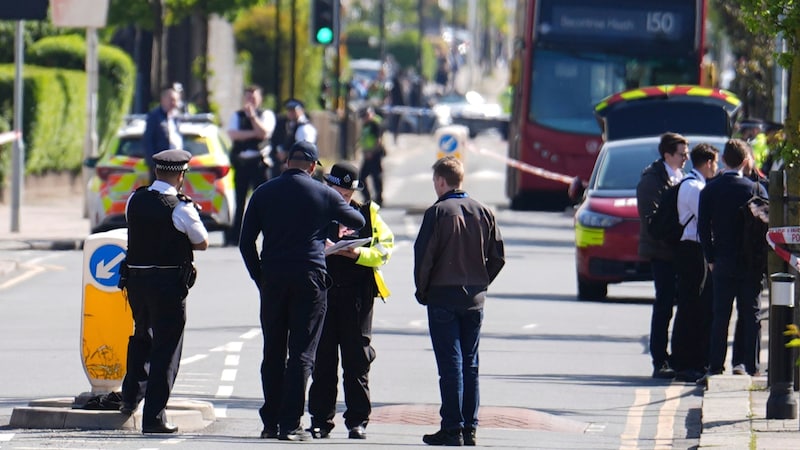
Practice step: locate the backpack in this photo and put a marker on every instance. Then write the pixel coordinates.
(664, 224)
(754, 219)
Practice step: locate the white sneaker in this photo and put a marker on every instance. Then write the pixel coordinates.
(740, 369)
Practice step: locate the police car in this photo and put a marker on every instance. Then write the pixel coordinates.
(117, 173)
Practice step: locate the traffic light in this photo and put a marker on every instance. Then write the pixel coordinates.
(324, 21)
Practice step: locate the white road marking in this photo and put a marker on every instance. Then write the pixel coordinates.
(228, 375)
(251, 334)
(221, 411)
(666, 417)
(224, 392)
(5, 437)
(192, 359)
(530, 326)
(633, 425)
(229, 347)
(174, 441)
(232, 360)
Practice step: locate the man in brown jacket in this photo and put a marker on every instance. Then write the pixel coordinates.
(457, 254)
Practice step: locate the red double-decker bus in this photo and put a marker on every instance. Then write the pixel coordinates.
(569, 55)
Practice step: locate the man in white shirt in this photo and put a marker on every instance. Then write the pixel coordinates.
(250, 129)
(692, 327)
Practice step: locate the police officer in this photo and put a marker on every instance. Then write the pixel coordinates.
(297, 127)
(163, 228)
(372, 152)
(348, 321)
(292, 214)
(248, 128)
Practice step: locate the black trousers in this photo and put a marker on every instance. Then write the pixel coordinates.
(292, 312)
(248, 174)
(372, 167)
(692, 328)
(158, 304)
(348, 326)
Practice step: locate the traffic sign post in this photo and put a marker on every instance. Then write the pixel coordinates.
(107, 320)
(451, 141)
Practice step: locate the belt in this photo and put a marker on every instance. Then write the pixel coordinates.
(152, 270)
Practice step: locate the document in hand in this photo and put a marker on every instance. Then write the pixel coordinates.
(346, 244)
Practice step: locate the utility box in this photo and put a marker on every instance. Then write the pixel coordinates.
(107, 320)
(451, 141)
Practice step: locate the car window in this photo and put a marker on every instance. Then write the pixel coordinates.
(622, 167)
(130, 146)
(195, 145)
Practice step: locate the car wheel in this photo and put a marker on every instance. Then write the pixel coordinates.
(591, 290)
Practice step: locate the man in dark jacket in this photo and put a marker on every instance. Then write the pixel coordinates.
(457, 254)
(161, 128)
(720, 231)
(292, 213)
(656, 178)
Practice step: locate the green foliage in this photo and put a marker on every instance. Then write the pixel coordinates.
(357, 38)
(255, 34)
(116, 77)
(405, 48)
(32, 32)
(53, 116)
(794, 332)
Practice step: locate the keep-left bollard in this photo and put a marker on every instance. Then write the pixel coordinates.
(107, 321)
(781, 403)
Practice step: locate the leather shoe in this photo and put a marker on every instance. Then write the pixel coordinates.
(357, 432)
(319, 433)
(160, 428)
(127, 408)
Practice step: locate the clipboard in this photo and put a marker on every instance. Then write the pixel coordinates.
(346, 244)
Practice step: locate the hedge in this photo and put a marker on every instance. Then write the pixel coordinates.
(116, 70)
(54, 121)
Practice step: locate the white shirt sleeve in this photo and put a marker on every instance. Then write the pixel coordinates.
(306, 133)
(268, 119)
(233, 123)
(187, 220)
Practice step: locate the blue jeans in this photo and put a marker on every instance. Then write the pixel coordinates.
(455, 334)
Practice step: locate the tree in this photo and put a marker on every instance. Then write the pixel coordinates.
(773, 18)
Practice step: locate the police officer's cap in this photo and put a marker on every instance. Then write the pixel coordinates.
(293, 103)
(174, 160)
(344, 175)
(304, 151)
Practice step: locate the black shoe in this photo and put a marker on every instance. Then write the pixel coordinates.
(298, 434)
(703, 381)
(469, 436)
(663, 371)
(269, 433)
(357, 432)
(160, 428)
(127, 408)
(449, 438)
(319, 433)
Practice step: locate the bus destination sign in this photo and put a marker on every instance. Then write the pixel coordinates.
(584, 22)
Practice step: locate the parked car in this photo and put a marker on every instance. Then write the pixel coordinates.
(607, 219)
(471, 110)
(209, 180)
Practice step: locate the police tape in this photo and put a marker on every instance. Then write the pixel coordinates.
(9, 136)
(784, 235)
(538, 171)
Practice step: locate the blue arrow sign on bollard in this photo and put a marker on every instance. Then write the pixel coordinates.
(104, 264)
(448, 143)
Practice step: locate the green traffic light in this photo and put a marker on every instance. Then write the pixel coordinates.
(324, 35)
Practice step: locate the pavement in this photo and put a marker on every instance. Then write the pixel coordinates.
(51, 218)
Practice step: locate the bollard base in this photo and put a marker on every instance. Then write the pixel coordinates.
(781, 403)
